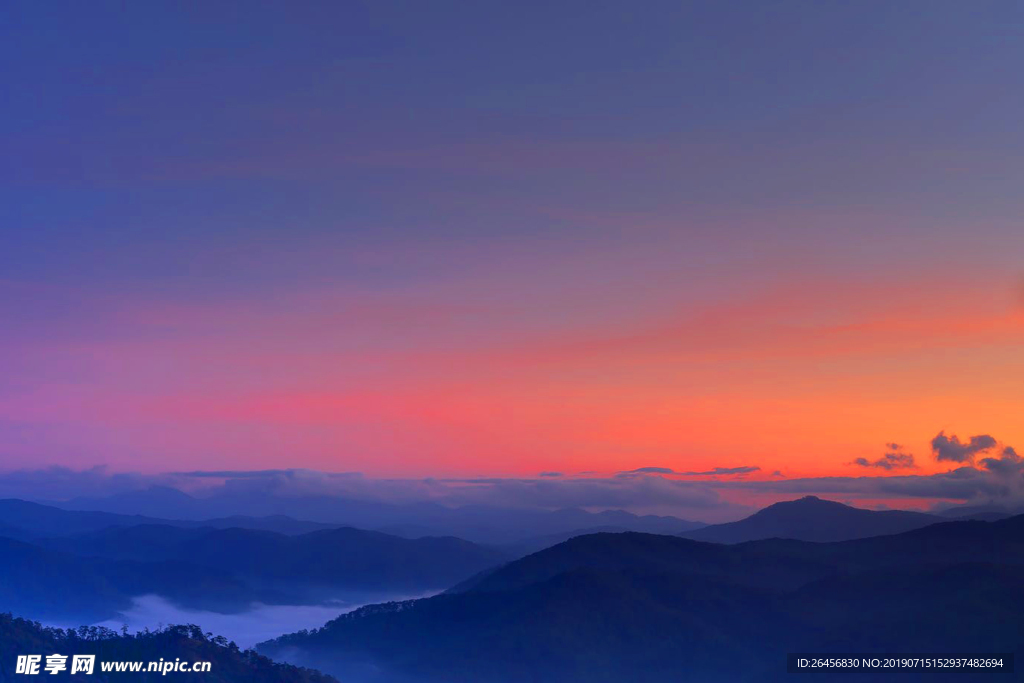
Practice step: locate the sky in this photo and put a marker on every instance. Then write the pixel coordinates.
(498, 239)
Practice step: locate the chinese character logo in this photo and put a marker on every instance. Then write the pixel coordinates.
(28, 664)
(55, 663)
(83, 664)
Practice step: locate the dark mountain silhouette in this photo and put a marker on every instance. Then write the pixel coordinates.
(779, 563)
(352, 559)
(813, 519)
(228, 664)
(580, 625)
(532, 545)
(651, 554)
(613, 607)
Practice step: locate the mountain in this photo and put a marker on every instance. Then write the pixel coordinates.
(281, 524)
(93, 576)
(653, 554)
(572, 521)
(189, 644)
(34, 519)
(654, 609)
(55, 585)
(153, 501)
(780, 563)
(531, 545)
(27, 520)
(813, 519)
(575, 518)
(114, 558)
(583, 625)
(314, 563)
(477, 523)
(983, 512)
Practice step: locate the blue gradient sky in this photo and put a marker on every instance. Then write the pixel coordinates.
(502, 238)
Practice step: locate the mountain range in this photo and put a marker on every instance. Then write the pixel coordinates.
(658, 608)
(64, 565)
(478, 523)
(591, 601)
(640, 607)
(26, 519)
(59, 586)
(341, 558)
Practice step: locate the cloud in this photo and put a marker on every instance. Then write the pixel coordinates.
(597, 492)
(61, 483)
(711, 472)
(1007, 464)
(894, 459)
(724, 470)
(261, 487)
(996, 480)
(260, 622)
(651, 470)
(950, 448)
(259, 474)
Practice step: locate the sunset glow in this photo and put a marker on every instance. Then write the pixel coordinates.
(399, 267)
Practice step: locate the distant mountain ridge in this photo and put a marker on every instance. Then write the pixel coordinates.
(812, 519)
(477, 523)
(26, 519)
(983, 512)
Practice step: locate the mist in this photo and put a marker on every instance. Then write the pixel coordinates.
(260, 623)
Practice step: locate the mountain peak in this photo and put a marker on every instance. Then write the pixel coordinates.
(813, 519)
(801, 505)
(811, 500)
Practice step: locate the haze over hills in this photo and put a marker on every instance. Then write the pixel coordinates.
(813, 519)
(25, 519)
(478, 523)
(612, 607)
(342, 558)
(61, 565)
(987, 513)
(54, 585)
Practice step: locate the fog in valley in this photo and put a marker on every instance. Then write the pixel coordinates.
(259, 623)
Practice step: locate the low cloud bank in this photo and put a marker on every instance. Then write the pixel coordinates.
(260, 623)
(988, 472)
(994, 480)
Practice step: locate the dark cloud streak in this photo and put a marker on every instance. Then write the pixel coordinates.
(893, 459)
(951, 449)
